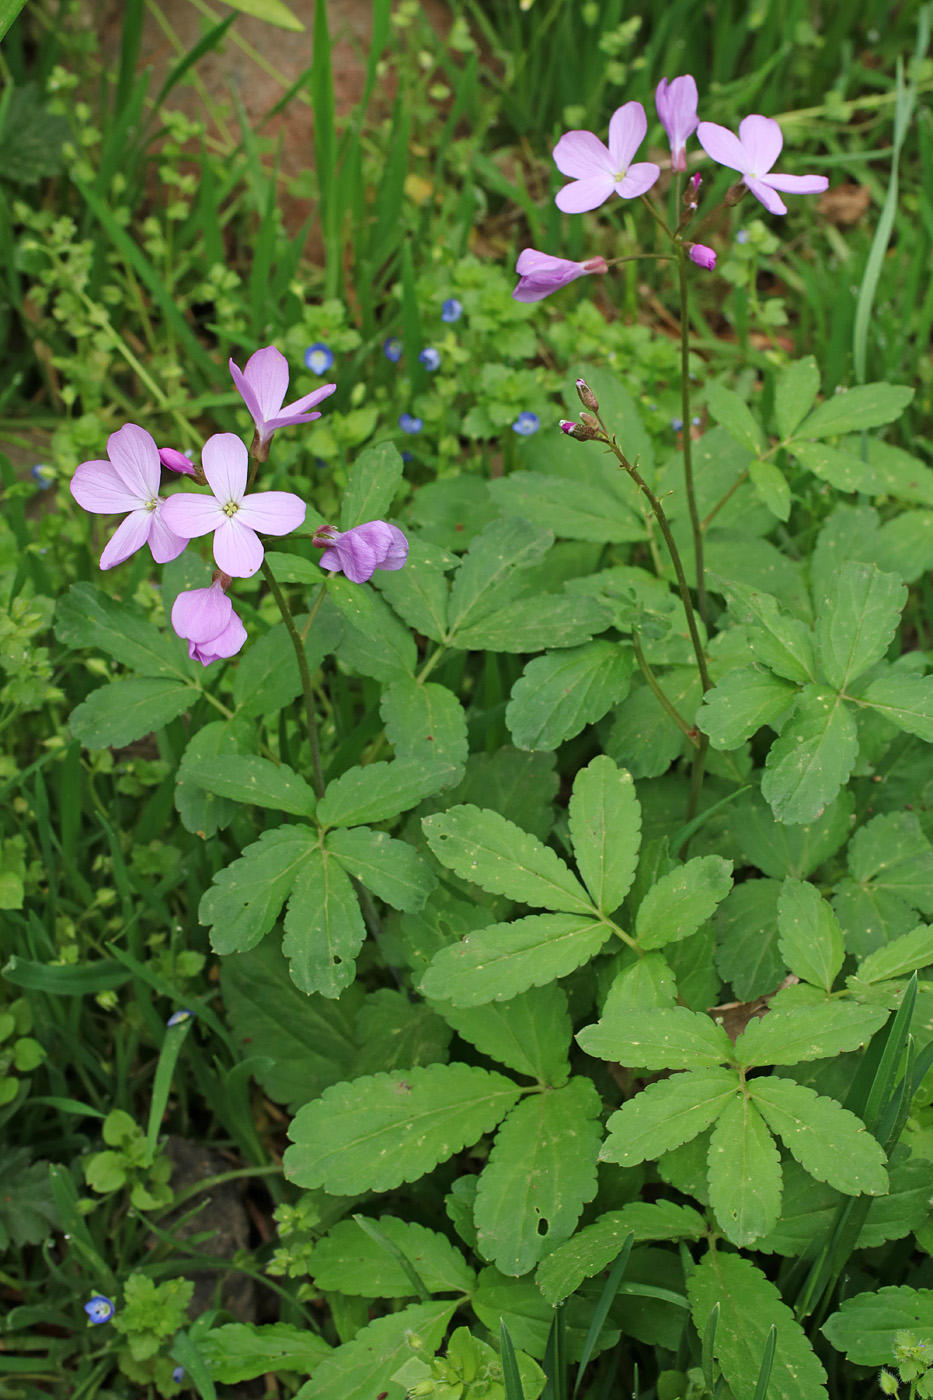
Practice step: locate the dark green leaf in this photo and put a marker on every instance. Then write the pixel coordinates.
(247, 778)
(812, 759)
(246, 898)
(865, 1326)
(741, 703)
(241, 1351)
(828, 1141)
(561, 692)
(811, 939)
(807, 1033)
(530, 1033)
(744, 1173)
(857, 620)
(86, 617)
(324, 928)
(392, 869)
(682, 900)
(120, 713)
(371, 485)
(665, 1038)
(556, 504)
(593, 1248)
(351, 1261)
(426, 722)
(381, 790)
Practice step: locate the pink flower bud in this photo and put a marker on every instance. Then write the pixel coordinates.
(702, 256)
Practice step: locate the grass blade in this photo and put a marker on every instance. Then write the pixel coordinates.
(9, 9)
(709, 1347)
(601, 1310)
(767, 1361)
(372, 1230)
(510, 1377)
(162, 1083)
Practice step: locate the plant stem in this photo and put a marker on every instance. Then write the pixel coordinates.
(305, 673)
(695, 524)
(663, 700)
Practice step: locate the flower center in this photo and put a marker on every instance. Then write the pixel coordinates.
(231, 508)
(619, 176)
(152, 503)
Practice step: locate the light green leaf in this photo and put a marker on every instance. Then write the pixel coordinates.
(605, 828)
(371, 486)
(380, 791)
(419, 592)
(498, 962)
(796, 388)
(491, 573)
(667, 1114)
(324, 928)
(530, 1033)
(561, 692)
(741, 703)
(779, 641)
(392, 869)
(247, 778)
(371, 1134)
(749, 1305)
(857, 620)
(812, 759)
(532, 624)
(364, 1367)
(204, 813)
(867, 406)
(844, 470)
(350, 1261)
(425, 721)
(529, 1317)
(807, 1033)
(554, 503)
(828, 1141)
(245, 899)
(479, 845)
(124, 711)
(892, 853)
(744, 1173)
(898, 473)
(241, 1351)
(811, 939)
(647, 982)
(540, 1174)
(909, 953)
(735, 416)
(593, 1248)
(906, 700)
(772, 487)
(681, 901)
(663, 1038)
(86, 617)
(272, 11)
(865, 1326)
(267, 678)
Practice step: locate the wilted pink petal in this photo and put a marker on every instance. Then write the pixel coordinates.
(263, 386)
(752, 153)
(598, 170)
(676, 102)
(542, 274)
(362, 550)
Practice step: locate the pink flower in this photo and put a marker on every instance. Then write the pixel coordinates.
(752, 153)
(702, 256)
(362, 550)
(263, 386)
(541, 274)
(597, 170)
(676, 102)
(129, 481)
(204, 617)
(233, 516)
(176, 461)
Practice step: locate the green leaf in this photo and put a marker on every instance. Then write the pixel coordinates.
(812, 759)
(905, 700)
(857, 620)
(807, 1033)
(247, 778)
(867, 406)
(381, 790)
(324, 928)
(665, 1038)
(562, 692)
(532, 624)
(204, 812)
(865, 1326)
(554, 503)
(419, 592)
(772, 487)
(245, 899)
(374, 1133)
(681, 901)
(350, 1261)
(749, 1305)
(540, 1174)
(392, 869)
(646, 982)
(741, 703)
(904, 955)
(491, 573)
(779, 850)
(747, 954)
(811, 939)
(86, 617)
(605, 828)
(371, 486)
(426, 722)
(828, 1141)
(530, 1033)
(124, 711)
(644, 739)
(744, 1173)
(242, 1352)
(905, 1208)
(892, 853)
(735, 416)
(844, 470)
(530, 1318)
(363, 1368)
(481, 846)
(807, 1208)
(272, 11)
(388, 652)
(28, 1213)
(667, 1114)
(267, 678)
(593, 1249)
(776, 639)
(796, 388)
(498, 962)
(397, 1033)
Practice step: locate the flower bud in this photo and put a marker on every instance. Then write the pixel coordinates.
(589, 421)
(702, 256)
(587, 397)
(574, 430)
(735, 192)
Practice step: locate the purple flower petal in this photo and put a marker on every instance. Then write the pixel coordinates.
(580, 153)
(797, 184)
(227, 644)
(97, 487)
(722, 146)
(272, 512)
(131, 534)
(266, 373)
(627, 127)
(766, 195)
(201, 614)
(310, 400)
(225, 463)
(190, 515)
(676, 103)
(163, 542)
(287, 420)
(136, 458)
(638, 179)
(237, 549)
(763, 140)
(584, 195)
(245, 390)
(396, 550)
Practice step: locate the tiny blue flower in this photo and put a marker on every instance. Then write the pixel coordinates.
(652, 408)
(99, 1309)
(406, 456)
(430, 358)
(741, 236)
(320, 463)
(410, 424)
(696, 422)
(43, 476)
(177, 1017)
(319, 357)
(392, 349)
(178, 1375)
(677, 424)
(452, 310)
(526, 424)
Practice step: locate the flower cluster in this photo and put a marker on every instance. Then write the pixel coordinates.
(598, 171)
(129, 482)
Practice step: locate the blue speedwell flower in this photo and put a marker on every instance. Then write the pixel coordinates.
(178, 1375)
(526, 424)
(99, 1309)
(177, 1017)
(452, 310)
(392, 349)
(409, 424)
(319, 357)
(677, 424)
(42, 475)
(430, 358)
